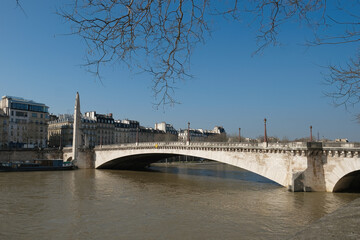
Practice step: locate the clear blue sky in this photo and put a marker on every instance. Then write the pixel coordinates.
(230, 88)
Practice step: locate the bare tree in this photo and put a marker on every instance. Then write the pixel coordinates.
(29, 132)
(156, 36)
(159, 36)
(347, 83)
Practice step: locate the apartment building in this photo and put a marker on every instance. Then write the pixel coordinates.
(27, 122)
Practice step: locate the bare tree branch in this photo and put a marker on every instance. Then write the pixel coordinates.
(158, 36)
(18, 4)
(346, 81)
(162, 32)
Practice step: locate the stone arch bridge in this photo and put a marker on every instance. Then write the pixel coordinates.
(299, 166)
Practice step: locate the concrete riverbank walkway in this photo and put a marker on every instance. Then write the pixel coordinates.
(344, 223)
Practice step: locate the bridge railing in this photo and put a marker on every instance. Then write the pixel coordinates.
(291, 145)
(340, 145)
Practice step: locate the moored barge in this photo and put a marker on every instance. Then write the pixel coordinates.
(36, 165)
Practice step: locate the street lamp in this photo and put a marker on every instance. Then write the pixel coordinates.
(311, 134)
(188, 135)
(137, 135)
(265, 135)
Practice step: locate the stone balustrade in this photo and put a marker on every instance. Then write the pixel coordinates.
(292, 148)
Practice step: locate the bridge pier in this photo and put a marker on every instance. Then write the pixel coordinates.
(86, 157)
(311, 178)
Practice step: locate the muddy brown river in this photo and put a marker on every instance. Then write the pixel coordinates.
(175, 201)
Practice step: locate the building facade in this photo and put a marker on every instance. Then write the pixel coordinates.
(218, 134)
(126, 131)
(4, 129)
(171, 134)
(60, 131)
(27, 122)
(167, 128)
(102, 129)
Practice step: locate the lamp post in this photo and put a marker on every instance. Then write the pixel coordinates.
(311, 134)
(137, 135)
(265, 135)
(239, 135)
(188, 135)
(60, 139)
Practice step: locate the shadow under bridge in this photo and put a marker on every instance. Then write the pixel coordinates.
(135, 162)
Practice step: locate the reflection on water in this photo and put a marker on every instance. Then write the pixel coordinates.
(213, 201)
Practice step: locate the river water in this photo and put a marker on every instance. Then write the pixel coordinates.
(185, 201)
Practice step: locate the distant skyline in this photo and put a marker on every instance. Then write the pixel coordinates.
(230, 88)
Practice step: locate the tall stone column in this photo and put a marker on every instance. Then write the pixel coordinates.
(76, 128)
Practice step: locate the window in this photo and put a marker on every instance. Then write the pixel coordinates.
(12, 113)
(41, 115)
(20, 106)
(21, 114)
(34, 115)
(37, 108)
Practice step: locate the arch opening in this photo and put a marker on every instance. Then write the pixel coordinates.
(141, 162)
(134, 162)
(349, 183)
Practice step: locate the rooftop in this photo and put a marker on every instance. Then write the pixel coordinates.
(22, 100)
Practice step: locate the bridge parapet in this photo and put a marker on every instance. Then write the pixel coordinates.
(348, 150)
(292, 145)
(340, 145)
(292, 148)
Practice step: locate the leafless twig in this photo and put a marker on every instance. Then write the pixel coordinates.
(158, 36)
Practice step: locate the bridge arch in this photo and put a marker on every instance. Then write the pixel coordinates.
(343, 175)
(134, 162)
(275, 169)
(348, 183)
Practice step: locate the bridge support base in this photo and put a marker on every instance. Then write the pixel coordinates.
(298, 183)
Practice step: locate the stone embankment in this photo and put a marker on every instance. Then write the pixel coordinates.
(341, 224)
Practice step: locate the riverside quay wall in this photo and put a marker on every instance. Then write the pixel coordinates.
(23, 155)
